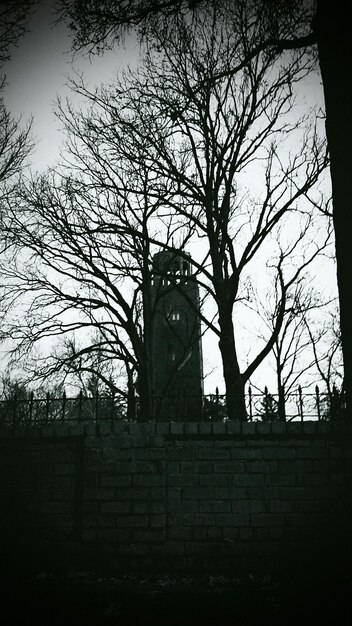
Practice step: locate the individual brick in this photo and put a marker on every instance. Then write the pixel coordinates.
(233, 427)
(191, 428)
(115, 507)
(148, 480)
(176, 428)
(295, 466)
(277, 453)
(199, 519)
(261, 467)
(156, 535)
(153, 454)
(230, 493)
(267, 519)
(219, 428)
(312, 452)
(123, 480)
(198, 493)
(214, 454)
(182, 480)
(232, 519)
(162, 428)
(279, 428)
(204, 428)
(248, 480)
(309, 428)
(287, 479)
(131, 521)
(278, 506)
(214, 480)
(179, 533)
(249, 428)
(228, 467)
(240, 454)
(181, 454)
(264, 428)
(248, 506)
(214, 506)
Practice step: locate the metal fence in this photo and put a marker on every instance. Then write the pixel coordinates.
(264, 406)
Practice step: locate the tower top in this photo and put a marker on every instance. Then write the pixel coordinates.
(169, 262)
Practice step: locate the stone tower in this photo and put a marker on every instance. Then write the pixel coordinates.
(176, 344)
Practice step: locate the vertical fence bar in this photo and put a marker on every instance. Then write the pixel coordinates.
(300, 399)
(80, 398)
(317, 401)
(266, 402)
(217, 402)
(96, 412)
(47, 406)
(250, 403)
(334, 404)
(112, 406)
(96, 407)
(63, 407)
(14, 410)
(31, 401)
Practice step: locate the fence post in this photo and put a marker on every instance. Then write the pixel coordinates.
(300, 402)
(31, 400)
(14, 409)
(334, 403)
(317, 400)
(96, 408)
(217, 401)
(47, 406)
(266, 402)
(80, 398)
(63, 406)
(112, 408)
(250, 403)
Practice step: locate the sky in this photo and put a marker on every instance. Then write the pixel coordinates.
(37, 74)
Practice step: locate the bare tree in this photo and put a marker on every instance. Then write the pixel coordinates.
(15, 143)
(286, 25)
(97, 25)
(296, 297)
(163, 152)
(13, 24)
(77, 258)
(199, 135)
(325, 343)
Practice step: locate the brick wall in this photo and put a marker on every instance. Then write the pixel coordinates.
(179, 495)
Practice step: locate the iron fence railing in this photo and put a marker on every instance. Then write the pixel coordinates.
(264, 406)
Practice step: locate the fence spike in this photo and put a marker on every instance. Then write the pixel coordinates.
(47, 406)
(250, 403)
(300, 402)
(63, 405)
(317, 401)
(31, 401)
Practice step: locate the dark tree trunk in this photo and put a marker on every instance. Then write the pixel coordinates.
(333, 31)
(131, 400)
(281, 404)
(235, 398)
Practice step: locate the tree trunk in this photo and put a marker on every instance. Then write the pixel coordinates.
(335, 52)
(280, 389)
(281, 404)
(131, 400)
(235, 398)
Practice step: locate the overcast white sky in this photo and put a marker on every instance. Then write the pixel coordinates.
(36, 75)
